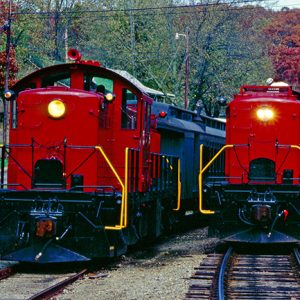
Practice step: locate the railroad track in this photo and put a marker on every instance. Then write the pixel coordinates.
(251, 276)
(33, 286)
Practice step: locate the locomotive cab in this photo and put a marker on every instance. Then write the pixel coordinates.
(81, 106)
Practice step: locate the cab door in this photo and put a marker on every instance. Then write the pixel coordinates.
(135, 132)
(144, 146)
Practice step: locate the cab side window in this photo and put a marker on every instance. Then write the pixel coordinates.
(129, 110)
(98, 84)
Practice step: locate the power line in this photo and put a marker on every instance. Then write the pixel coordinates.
(146, 9)
(106, 16)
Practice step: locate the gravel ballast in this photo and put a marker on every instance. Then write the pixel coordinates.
(159, 271)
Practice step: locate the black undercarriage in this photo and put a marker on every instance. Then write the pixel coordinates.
(255, 213)
(48, 226)
(55, 226)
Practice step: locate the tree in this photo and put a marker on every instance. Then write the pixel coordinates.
(227, 52)
(45, 24)
(225, 43)
(283, 36)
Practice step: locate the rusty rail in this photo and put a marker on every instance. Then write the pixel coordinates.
(55, 289)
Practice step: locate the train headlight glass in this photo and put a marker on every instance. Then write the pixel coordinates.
(265, 114)
(110, 97)
(56, 109)
(9, 95)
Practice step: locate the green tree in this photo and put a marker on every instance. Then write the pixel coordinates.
(226, 47)
(227, 52)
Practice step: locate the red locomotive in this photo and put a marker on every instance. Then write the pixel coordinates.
(257, 199)
(94, 164)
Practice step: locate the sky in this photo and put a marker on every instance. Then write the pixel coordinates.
(288, 3)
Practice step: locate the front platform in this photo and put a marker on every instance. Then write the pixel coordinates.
(255, 236)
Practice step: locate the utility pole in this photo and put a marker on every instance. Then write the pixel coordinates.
(7, 28)
(132, 37)
(66, 42)
(187, 70)
(187, 65)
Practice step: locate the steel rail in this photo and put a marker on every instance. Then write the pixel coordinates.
(297, 255)
(52, 290)
(221, 276)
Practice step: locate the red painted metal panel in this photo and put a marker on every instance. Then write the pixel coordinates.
(88, 122)
(262, 139)
(49, 136)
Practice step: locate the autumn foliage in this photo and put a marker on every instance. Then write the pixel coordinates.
(228, 46)
(4, 30)
(283, 35)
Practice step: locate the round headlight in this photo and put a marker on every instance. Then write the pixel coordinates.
(265, 114)
(109, 97)
(56, 109)
(8, 95)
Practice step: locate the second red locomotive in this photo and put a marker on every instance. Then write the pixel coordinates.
(256, 200)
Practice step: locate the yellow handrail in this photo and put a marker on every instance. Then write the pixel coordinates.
(168, 162)
(126, 189)
(123, 215)
(295, 147)
(179, 187)
(201, 171)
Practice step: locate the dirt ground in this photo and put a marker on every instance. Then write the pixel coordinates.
(161, 271)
